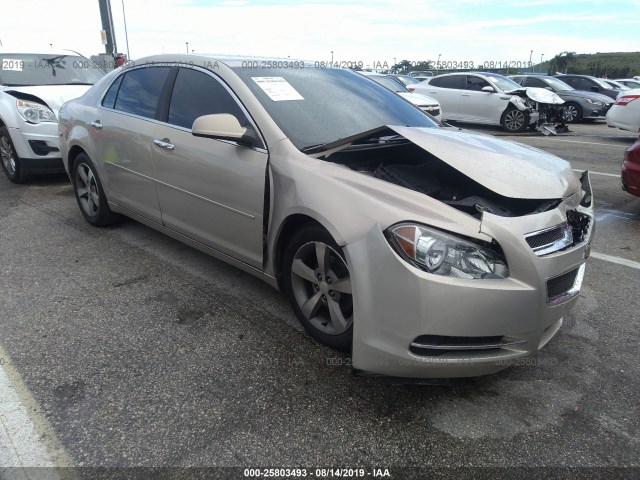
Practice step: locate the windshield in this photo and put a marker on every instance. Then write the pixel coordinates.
(315, 106)
(407, 80)
(602, 83)
(558, 85)
(30, 69)
(388, 82)
(503, 83)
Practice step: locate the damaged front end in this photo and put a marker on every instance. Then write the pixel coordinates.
(550, 108)
(440, 303)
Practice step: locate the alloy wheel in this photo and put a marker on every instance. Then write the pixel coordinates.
(8, 158)
(322, 287)
(514, 120)
(87, 190)
(570, 113)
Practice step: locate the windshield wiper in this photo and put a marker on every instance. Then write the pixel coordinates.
(75, 83)
(342, 141)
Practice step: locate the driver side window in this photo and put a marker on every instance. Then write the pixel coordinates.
(195, 94)
(476, 83)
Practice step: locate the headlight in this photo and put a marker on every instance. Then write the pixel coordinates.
(34, 112)
(595, 102)
(445, 254)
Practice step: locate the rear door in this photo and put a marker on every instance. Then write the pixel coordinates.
(122, 136)
(210, 190)
(447, 90)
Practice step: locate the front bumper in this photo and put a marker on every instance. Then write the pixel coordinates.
(397, 305)
(594, 111)
(630, 177)
(38, 147)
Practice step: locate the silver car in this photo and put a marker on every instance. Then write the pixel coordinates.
(423, 250)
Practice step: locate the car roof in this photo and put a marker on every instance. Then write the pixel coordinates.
(229, 60)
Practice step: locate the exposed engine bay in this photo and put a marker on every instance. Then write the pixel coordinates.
(549, 105)
(395, 159)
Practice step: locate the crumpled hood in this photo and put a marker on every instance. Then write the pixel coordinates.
(53, 95)
(540, 95)
(510, 169)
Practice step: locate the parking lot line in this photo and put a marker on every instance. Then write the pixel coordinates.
(598, 173)
(585, 143)
(21, 432)
(616, 260)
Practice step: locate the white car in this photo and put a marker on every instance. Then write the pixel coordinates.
(625, 113)
(629, 82)
(423, 102)
(487, 98)
(33, 87)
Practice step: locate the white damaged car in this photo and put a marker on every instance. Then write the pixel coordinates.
(33, 87)
(492, 99)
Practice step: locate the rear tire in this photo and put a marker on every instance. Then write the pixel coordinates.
(514, 120)
(11, 163)
(318, 284)
(90, 194)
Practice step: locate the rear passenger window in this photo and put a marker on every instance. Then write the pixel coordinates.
(195, 94)
(140, 91)
(109, 99)
(450, 81)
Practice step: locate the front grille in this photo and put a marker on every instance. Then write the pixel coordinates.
(550, 240)
(439, 345)
(564, 287)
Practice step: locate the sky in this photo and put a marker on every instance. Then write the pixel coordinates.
(370, 31)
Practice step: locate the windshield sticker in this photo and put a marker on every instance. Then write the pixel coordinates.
(277, 88)
(12, 65)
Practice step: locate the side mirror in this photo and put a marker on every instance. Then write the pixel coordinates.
(488, 89)
(595, 88)
(223, 126)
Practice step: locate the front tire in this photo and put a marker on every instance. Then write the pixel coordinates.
(318, 284)
(514, 120)
(572, 112)
(90, 194)
(11, 163)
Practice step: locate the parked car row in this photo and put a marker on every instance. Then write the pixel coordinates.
(488, 98)
(578, 105)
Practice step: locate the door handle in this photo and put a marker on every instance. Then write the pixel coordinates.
(466, 94)
(164, 143)
(96, 124)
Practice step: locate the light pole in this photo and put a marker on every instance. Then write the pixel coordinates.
(332, 58)
(187, 46)
(541, 57)
(126, 34)
(530, 58)
(438, 63)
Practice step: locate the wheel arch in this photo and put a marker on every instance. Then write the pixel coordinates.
(289, 226)
(72, 156)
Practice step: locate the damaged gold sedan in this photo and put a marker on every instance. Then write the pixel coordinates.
(424, 250)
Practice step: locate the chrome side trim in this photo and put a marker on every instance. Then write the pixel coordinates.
(221, 205)
(485, 346)
(569, 294)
